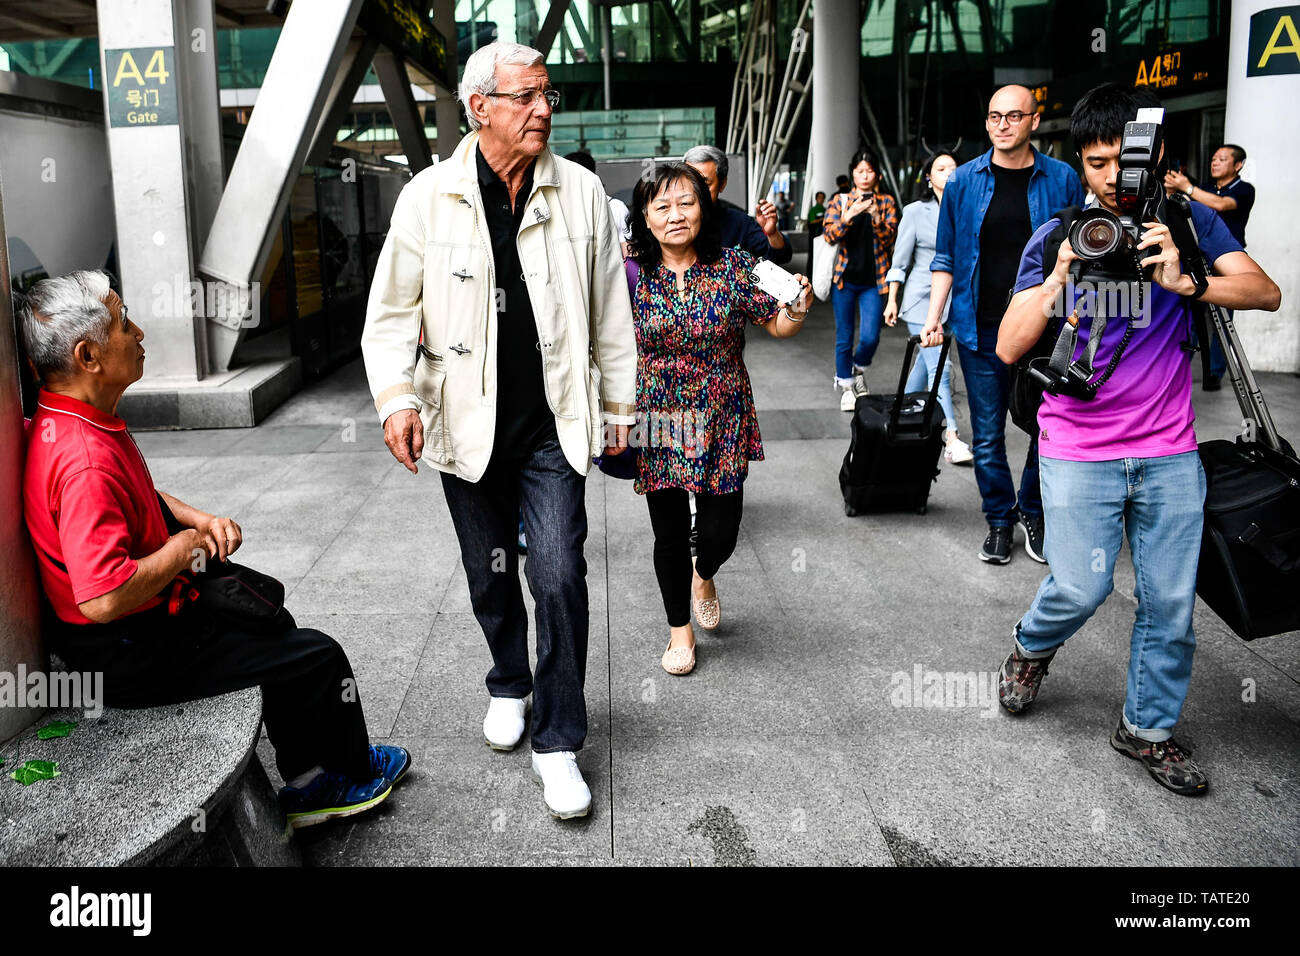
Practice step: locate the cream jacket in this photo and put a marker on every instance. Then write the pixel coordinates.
(430, 340)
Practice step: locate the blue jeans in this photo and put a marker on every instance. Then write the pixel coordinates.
(543, 486)
(866, 299)
(1090, 506)
(921, 378)
(986, 391)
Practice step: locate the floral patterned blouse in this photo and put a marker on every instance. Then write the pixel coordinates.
(696, 424)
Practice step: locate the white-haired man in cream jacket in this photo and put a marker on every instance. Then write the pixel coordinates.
(499, 349)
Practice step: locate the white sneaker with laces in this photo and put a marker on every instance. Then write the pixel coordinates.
(848, 400)
(860, 382)
(565, 792)
(504, 724)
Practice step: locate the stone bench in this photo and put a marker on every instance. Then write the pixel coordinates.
(162, 785)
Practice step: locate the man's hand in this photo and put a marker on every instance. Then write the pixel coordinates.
(618, 433)
(1168, 272)
(765, 213)
(222, 537)
(404, 436)
(932, 334)
(1064, 256)
(1177, 182)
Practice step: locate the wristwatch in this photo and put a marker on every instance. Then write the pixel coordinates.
(1190, 189)
(1201, 283)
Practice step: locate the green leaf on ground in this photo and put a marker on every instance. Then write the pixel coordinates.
(34, 770)
(59, 728)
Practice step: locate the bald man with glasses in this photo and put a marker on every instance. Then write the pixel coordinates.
(990, 208)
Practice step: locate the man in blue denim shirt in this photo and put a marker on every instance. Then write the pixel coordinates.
(991, 207)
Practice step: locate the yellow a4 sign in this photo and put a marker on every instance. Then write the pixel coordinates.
(141, 89)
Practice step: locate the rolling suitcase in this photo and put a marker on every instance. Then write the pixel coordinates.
(1249, 572)
(894, 446)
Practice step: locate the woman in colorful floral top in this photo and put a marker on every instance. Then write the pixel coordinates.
(696, 426)
(864, 221)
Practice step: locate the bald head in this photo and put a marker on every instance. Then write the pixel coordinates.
(1011, 140)
(1013, 97)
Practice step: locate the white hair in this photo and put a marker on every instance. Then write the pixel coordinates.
(58, 313)
(480, 74)
(709, 154)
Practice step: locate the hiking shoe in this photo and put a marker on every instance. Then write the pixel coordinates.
(997, 546)
(329, 796)
(1168, 762)
(1032, 526)
(389, 761)
(1019, 679)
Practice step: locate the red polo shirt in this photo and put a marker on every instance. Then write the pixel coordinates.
(90, 503)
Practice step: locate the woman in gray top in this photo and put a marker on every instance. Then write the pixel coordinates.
(913, 251)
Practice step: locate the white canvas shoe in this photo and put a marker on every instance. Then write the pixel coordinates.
(565, 792)
(504, 724)
(848, 400)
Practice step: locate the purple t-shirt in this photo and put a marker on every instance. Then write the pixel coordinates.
(1145, 409)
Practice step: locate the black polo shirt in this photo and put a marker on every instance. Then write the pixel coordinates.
(524, 420)
(1235, 219)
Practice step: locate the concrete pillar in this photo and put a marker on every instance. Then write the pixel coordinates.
(141, 56)
(836, 54)
(446, 110)
(20, 633)
(1256, 121)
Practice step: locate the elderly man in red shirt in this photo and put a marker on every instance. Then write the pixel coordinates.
(108, 554)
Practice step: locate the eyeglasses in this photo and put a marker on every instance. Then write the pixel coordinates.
(527, 98)
(1012, 116)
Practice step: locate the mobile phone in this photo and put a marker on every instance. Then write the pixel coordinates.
(776, 282)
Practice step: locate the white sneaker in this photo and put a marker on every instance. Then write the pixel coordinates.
(860, 382)
(957, 452)
(848, 400)
(565, 792)
(504, 724)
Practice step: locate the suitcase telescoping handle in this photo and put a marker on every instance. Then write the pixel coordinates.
(912, 342)
(1249, 397)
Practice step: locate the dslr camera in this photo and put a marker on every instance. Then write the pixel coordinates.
(1108, 243)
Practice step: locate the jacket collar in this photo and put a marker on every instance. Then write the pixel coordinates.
(465, 178)
(66, 405)
(982, 163)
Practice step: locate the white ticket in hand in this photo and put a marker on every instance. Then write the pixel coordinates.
(776, 282)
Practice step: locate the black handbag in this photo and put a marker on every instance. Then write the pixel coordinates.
(243, 596)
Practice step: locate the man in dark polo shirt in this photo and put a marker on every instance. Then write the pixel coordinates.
(1232, 198)
(109, 546)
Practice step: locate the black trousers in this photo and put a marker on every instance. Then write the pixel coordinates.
(717, 525)
(310, 702)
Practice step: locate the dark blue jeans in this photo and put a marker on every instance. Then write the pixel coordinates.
(866, 302)
(543, 486)
(987, 391)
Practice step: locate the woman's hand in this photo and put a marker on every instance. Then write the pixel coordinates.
(865, 204)
(891, 312)
(800, 306)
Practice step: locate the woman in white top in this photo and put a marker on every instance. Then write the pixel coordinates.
(912, 254)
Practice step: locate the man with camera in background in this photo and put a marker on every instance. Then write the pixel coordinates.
(1124, 461)
(1232, 198)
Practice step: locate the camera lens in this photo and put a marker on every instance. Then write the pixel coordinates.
(1094, 236)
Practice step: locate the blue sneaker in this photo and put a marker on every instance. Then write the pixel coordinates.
(390, 761)
(331, 795)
